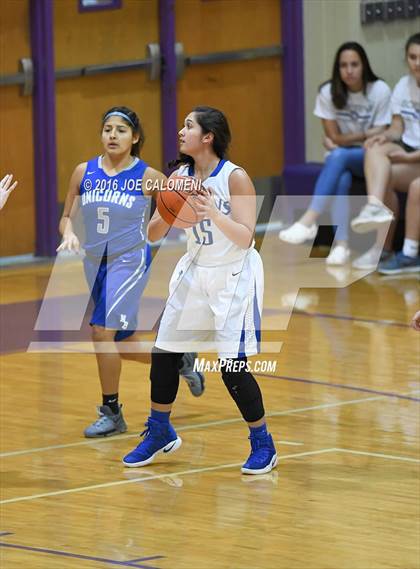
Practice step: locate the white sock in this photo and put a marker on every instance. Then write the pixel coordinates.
(411, 248)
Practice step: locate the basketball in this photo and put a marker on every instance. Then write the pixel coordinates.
(175, 202)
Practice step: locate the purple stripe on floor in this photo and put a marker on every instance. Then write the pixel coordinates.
(17, 323)
(339, 386)
(352, 318)
(85, 557)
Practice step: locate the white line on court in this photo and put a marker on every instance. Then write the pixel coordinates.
(292, 443)
(378, 455)
(192, 427)
(153, 477)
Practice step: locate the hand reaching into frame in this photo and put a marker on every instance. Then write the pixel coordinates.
(415, 322)
(6, 188)
(69, 243)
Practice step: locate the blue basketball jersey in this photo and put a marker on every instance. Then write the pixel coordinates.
(114, 208)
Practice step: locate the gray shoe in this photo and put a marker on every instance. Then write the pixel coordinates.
(195, 379)
(107, 424)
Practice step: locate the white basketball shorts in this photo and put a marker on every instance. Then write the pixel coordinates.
(214, 308)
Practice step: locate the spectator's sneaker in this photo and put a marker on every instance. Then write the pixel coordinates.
(263, 457)
(298, 233)
(107, 424)
(159, 437)
(338, 256)
(371, 259)
(398, 264)
(371, 217)
(195, 379)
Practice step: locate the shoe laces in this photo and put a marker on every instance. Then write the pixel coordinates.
(153, 428)
(261, 447)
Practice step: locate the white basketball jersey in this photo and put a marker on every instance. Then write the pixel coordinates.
(207, 246)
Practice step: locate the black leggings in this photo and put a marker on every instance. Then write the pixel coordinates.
(241, 384)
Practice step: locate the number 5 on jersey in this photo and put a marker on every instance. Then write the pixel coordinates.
(103, 220)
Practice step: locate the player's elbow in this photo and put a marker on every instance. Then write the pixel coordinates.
(152, 236)
(155, 232)
(246, 241)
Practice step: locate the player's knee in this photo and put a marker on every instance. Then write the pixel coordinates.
(376, 151)
(164, 375)
(414, 187)
(337, 155)
(243, 389)
(101, 334)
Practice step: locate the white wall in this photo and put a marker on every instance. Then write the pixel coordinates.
(329, 23)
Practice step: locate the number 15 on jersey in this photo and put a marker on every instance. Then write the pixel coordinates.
(202, 233)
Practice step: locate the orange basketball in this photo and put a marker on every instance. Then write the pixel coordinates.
(175, 202)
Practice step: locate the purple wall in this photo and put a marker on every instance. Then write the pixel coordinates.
(293, 81)
(44, 141)
(44, 126)
(168, 81)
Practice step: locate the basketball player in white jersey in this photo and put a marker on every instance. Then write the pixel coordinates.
(215, 292)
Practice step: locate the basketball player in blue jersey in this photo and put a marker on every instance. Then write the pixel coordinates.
(111, 192)
(216, 291)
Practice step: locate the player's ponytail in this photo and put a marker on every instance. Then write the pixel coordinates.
(133, 121)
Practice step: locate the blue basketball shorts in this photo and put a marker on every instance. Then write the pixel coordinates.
(116, 286)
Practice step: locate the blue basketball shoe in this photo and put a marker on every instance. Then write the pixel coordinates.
(263, 457)
(159, 437)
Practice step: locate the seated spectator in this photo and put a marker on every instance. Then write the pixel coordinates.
(407, 260)
(393, 157)
(353, 106)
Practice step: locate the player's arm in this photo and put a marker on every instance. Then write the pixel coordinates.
(391, 134)
(153, 181)
(70, 241)
(240, 227)
(332, 131)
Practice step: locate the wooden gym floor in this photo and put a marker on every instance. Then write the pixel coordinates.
(342, 405)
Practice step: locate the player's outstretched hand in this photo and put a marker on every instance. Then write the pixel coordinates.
(415, 323)
(205, 205)
(6, 188)
(70, 243)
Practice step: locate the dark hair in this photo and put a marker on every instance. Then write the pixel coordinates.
(339, 91)
(214, 121)
(414, 39)
(133, 122)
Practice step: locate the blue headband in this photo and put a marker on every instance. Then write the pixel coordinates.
(120, 114)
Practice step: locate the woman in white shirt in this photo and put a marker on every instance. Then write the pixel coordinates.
(353, 106)
(393, 161)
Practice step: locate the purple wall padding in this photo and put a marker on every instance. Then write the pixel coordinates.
(43, 107)
(168, 81)
(293, 82)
